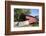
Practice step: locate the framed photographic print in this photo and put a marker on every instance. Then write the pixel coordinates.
(24, 17)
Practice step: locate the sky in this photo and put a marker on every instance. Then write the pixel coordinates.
(34, 12)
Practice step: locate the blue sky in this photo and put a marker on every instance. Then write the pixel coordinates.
(34, 12)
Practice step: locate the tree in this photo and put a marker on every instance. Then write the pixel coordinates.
(18, 12)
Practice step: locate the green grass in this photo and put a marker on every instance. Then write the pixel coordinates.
(35, 25)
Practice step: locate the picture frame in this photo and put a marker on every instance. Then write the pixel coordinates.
(10, 10)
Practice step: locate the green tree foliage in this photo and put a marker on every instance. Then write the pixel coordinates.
(18, 12)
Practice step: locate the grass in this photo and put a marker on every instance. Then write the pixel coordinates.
(35, 25)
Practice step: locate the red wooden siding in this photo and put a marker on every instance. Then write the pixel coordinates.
(31, 19)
